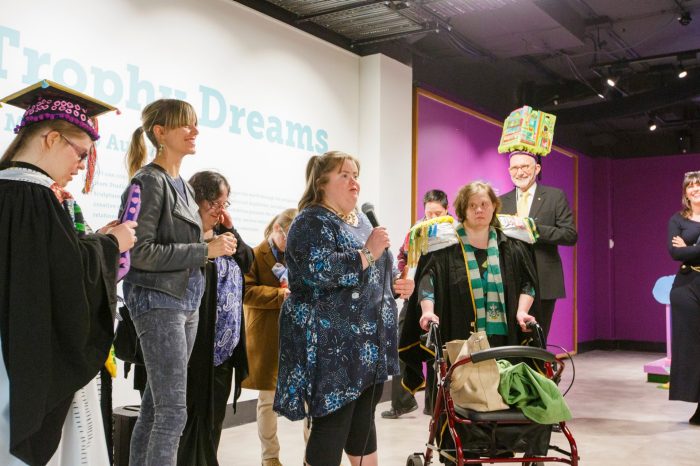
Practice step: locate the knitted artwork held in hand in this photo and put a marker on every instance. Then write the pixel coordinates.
(131, 212)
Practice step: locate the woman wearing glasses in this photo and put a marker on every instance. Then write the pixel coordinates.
(266, 290)
(165, 284)
(684, 246)
(58, 285)
(220, 346)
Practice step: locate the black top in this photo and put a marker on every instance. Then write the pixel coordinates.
(453, 303)
(482, 258)
(689, 230)
(56, 301)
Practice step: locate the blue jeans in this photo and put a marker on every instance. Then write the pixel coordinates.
(166, 337)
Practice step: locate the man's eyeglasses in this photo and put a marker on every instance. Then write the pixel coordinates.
(79, 151)
(219, 205)
(524, 168)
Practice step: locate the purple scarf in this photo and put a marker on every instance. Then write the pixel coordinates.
(229, 308)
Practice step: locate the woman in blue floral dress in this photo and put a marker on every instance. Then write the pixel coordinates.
(338, 329)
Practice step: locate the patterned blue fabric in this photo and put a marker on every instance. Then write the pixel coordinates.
(229, 307)
(338, 328)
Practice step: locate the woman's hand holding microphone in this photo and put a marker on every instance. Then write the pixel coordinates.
(375, 246)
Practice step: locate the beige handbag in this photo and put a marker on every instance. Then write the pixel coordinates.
(474, 386)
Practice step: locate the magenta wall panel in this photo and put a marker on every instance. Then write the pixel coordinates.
(645, 193)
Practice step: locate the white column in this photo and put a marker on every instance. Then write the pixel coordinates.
(385, 142)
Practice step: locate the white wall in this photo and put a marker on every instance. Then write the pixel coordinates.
(248, 77)
(385, 142)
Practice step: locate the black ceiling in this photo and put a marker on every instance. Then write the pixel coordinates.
(554, 55)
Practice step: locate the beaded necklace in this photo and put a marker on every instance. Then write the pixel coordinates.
(350, 218)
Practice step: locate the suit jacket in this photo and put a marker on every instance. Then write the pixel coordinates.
(261, 304)
(555, 223)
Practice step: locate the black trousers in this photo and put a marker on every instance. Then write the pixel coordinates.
(545, 318)
(685, 337)
(350, 428)
(401, 399)
(223, 378)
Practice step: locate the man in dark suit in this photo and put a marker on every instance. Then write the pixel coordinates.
(550, 210)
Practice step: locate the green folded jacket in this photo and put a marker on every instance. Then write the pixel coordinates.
(538, 397)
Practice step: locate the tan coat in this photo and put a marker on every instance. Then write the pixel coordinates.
(261, 305)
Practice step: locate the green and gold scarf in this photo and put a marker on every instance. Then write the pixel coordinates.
(489, 300)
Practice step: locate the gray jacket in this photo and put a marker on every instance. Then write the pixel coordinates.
(169, 235)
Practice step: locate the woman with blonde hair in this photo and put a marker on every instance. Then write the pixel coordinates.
(266, 288)
(164, 286)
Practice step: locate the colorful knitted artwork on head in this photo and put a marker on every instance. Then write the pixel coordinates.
(528, 130)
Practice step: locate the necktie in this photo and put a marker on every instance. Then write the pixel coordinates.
(523, 207)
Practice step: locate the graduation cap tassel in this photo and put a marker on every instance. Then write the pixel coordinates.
(91, 161)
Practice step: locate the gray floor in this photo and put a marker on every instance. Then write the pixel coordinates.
(619, 419)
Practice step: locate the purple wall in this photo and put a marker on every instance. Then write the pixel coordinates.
(645, 193)
(585, 247)
(628, 201)
(455, 147)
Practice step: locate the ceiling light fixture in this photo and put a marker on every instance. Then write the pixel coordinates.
(684, 142)
(652, 125)
(682, 72)
(684, 18)
(601, 96)
(611, 82)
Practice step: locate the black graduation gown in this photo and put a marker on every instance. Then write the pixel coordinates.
(453, 303)
(197, 444)
(57, 302)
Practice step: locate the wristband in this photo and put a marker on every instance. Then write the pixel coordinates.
(368, 255)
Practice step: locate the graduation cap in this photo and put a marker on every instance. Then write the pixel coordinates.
(47, 100)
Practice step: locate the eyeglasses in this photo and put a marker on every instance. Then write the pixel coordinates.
(79, 151)
(216, 205)
(524, 168)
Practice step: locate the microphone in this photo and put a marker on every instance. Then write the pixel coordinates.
(368, 210)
